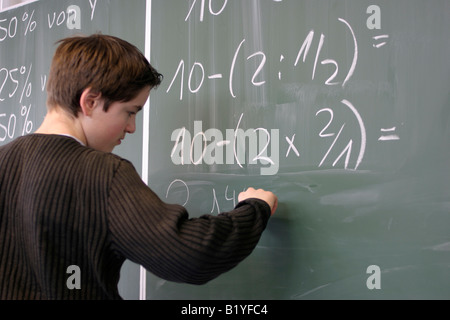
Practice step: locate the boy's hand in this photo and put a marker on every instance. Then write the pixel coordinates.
(266, 196)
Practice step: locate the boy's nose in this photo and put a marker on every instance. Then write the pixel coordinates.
(131, 126)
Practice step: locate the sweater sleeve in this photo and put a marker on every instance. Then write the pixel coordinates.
(168, 243)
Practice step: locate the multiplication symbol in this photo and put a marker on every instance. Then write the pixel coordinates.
(292, 146)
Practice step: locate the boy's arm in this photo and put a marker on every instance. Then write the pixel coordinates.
(168, 243)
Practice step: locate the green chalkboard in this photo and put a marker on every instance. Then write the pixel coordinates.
(27, 43)
(342, 108)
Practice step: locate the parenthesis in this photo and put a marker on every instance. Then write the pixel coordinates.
(233, 65)
(355, 56)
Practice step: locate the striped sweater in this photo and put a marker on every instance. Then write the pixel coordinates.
(63, 204)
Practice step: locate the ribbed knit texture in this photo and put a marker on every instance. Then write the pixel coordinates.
(64, 204)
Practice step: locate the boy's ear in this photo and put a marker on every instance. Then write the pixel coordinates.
(89, 100)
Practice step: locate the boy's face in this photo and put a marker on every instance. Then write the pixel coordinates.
(105, 130)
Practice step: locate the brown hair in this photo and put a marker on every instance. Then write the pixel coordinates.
(106, 64)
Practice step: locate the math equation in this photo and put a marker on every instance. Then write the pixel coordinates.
(309, 59)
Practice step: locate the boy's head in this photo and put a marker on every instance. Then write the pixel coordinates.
(106, 64)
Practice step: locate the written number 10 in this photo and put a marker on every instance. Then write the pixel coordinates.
(202, 9)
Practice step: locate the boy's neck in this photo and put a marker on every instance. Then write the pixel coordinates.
(60, 122)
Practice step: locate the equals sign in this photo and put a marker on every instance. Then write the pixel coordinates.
(384, 36)
(389, 136)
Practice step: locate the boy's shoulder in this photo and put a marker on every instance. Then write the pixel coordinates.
(61, 145)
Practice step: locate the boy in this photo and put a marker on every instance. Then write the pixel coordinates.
(66, 200)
